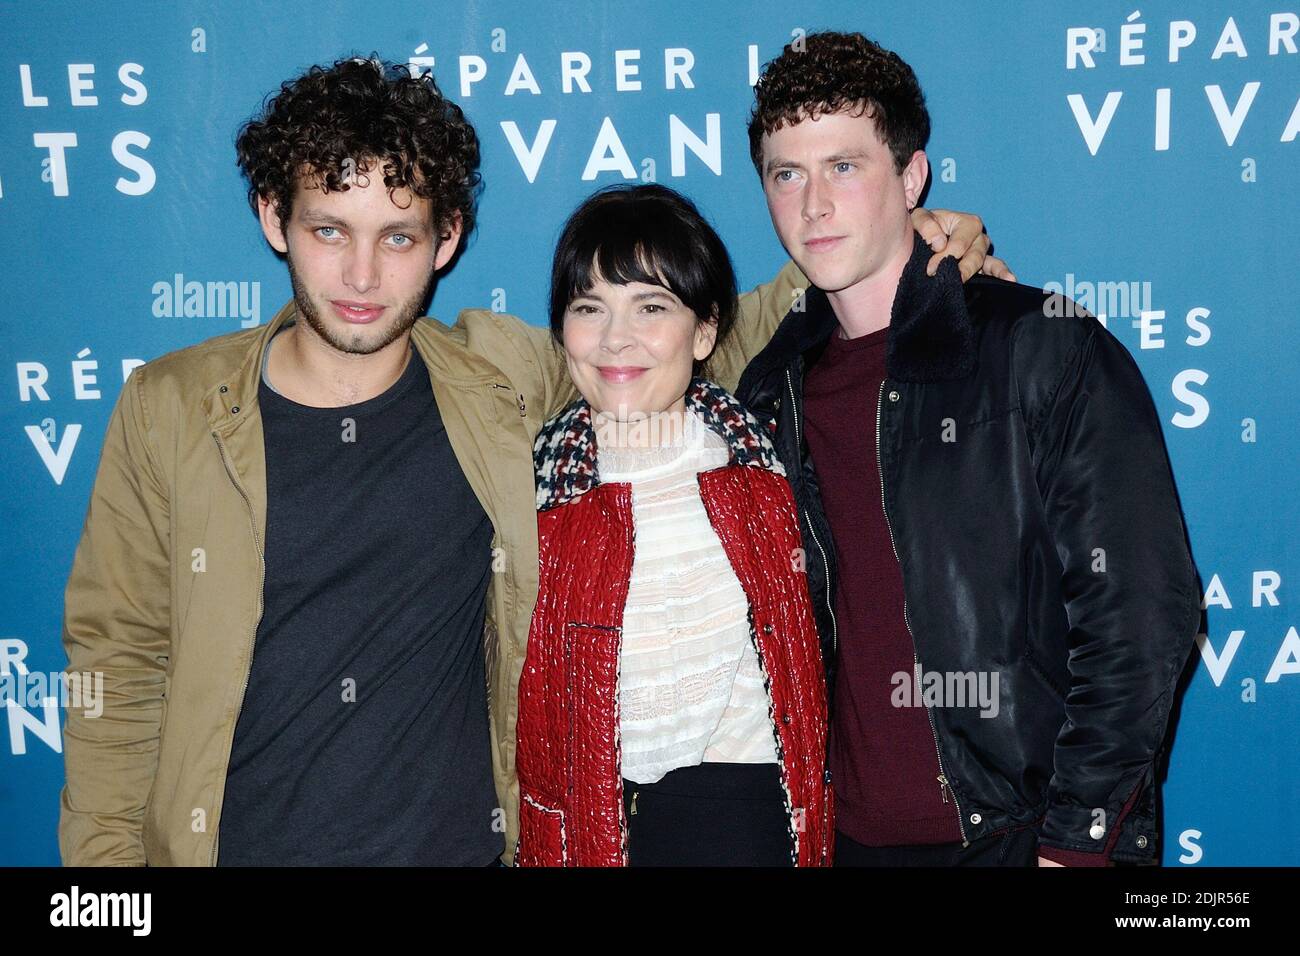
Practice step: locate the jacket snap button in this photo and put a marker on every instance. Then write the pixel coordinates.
(1142, 842)
(224, 389)
(893, 395)
(1096, 831)
(975, 818)
(234, 409)
(767, 628)
(785, 718)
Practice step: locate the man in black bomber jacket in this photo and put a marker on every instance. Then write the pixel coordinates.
(993, 539)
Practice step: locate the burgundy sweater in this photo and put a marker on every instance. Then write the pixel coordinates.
(883, 758)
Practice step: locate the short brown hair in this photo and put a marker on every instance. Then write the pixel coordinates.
(829, 72)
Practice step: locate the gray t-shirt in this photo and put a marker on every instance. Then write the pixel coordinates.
(363, 736)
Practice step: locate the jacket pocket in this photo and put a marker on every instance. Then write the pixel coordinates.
(152, 798)
(543, 836)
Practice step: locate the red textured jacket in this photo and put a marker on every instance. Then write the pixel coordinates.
(568, 756)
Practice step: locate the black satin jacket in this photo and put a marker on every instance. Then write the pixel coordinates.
(1035, 521)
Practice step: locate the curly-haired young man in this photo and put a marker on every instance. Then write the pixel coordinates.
(310, 556)
(1003, 576)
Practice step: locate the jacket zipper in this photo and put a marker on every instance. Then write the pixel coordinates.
(944, 787)
(261, 588)
(798, 441)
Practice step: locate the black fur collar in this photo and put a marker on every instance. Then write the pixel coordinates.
(931, 337)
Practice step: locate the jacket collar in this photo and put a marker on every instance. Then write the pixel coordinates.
(564, 454)
(931, 336)
(229, 402)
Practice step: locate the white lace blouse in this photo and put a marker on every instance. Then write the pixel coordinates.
(690, 688)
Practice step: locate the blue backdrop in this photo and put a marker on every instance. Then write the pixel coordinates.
(1142, 161)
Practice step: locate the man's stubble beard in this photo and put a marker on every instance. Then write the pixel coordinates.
(407, 314)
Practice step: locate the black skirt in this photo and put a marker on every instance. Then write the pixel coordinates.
(712, 814)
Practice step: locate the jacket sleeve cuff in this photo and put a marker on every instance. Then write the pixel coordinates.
(1075, 856)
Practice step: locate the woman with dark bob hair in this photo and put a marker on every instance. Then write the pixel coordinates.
(672, 707)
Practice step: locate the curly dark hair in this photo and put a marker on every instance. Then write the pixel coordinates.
(375, 114)
(841, 71)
